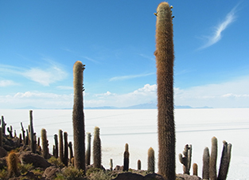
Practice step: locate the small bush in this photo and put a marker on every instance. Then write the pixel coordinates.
(25, 167)
(56, 162)
(70, 173)
(99, 175)
(92, 170)
(3, 173)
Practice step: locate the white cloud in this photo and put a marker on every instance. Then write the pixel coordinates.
(44, 76)
(118, 78)
(65, 87)
(4, 83)
(230, 17)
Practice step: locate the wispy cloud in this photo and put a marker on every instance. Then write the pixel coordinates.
(147, 57)
(118, 78)
(216, 36)
(90, 59)
(44, 76)
(65, 87)
(5, 83)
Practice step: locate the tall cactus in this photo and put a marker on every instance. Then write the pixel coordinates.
(88, 150)
(32, 141)
(205, 167)
(126, 158)
(185, 159)
(65, 157)
(78, 117)
(165, 61)
(151, 160)
(70, 151)
(3, 124)
(60, 145)
(96, 149)
(225, 161)
(213, 160)
(44, 144)
(23, 133)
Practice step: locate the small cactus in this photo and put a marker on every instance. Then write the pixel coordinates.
(195, 169)
(1, 137)
(56, 146)
(10, 130)
(185, 159)
(88, 150)
(23, 133)
(151, 160)
(138, 165)
(3, 124)
(96, 149)
(12, 161)
(70, 150)
(111, 165)
(126, 158)
(205, 167)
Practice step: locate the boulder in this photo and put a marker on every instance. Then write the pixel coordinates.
(130, 176)
(50, 172)
(35, 159)
(188, 177)
(153, 176)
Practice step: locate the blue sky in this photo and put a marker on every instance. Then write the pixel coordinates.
(41, 40)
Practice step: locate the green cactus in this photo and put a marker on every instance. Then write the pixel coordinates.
(185, 159)
(45, 152)
(1, 137)
(213, 160)
(61, 145)
(111, 165)
(65, 157)
(78, 117)
(138, 164)
(10, 130)
(126, 158)
(195, 169)
(3, 124)
(23, 133)
(88, 150)
(225, 161)
(12, 162)
(96, 149)
(165, 61)
(55, 145)
(205, 167)
(32, 140)
(151, 160)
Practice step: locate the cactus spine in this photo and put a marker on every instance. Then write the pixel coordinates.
(165, 61)
(205, 167)
(78, 117)
(225, 161)
(126, 158)
(32, 141)
(138, 165)
(151, 160)
(96, 149)
(185, 159)
(60, 145)
(213, 160)
(12, 161)
(44, 143)
(56, 146)
(195, 169)
(65, 158)
(88, 150)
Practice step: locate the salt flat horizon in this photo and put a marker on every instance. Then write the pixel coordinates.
(138, 128)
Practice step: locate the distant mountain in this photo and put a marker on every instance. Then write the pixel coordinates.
(150, 105)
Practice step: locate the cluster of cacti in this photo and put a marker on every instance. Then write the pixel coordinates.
(96, 149)
(164, 62)
(151, 160)
(185, 159)
(126, 158)
(78, 117)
